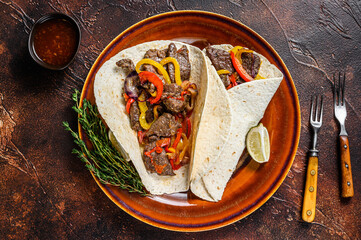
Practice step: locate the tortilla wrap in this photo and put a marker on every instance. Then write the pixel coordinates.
(108, 92)
(213, 133)
(248, 102)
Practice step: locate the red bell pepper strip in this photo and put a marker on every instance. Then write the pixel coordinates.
(126, 97)
(187, 126)
(241, 71)
(158, 149)
(157, 82)
(233, 80)
(189, 113)
(129, 103)
(174, 166)
(163, 142)
(141, 135)
(179, 135)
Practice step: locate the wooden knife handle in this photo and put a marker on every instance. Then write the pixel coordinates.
(346, 173)
(309, 196)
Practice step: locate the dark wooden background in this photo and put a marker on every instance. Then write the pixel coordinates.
(46, 192)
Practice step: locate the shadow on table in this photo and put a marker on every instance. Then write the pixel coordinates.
(31, 76)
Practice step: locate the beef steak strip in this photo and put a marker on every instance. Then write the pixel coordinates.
(221, 59)
(164, 126)
(156, 55)
(182, 58)
(251, 63)
(134, 114)
(184, 64)
(171, 90)
(171, 98)
(126, 64)
(149, 114)
(176, 105)
(159, 159)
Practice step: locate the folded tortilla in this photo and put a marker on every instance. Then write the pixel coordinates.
(108, 92)
(248, 102)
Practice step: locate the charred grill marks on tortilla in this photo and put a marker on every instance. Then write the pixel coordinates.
(163, 140)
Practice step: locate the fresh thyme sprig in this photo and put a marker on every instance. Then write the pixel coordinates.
(103, 160)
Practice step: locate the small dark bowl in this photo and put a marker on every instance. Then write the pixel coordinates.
(31, 39)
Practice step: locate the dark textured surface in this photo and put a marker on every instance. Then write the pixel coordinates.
(47, 193)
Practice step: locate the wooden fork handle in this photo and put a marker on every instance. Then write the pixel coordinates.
(346, 173)
(309, 196)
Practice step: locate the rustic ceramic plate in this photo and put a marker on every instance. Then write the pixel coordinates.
(252, 184)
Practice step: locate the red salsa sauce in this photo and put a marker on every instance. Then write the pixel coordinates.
(55, 41)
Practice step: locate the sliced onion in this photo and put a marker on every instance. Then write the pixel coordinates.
(130, 86)
(190, 104)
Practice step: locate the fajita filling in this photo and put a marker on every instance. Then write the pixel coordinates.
(160, 100)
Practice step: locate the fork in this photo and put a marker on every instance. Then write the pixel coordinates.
(309, 197)
(340, 114)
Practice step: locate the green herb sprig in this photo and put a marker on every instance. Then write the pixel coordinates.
(103, 160)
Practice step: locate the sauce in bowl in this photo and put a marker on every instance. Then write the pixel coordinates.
(54, 41)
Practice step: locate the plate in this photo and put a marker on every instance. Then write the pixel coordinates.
(252, 184)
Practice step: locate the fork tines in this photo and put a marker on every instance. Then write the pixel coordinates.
(339, 89)
(318, 111)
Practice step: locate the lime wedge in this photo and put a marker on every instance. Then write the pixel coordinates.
(258, 145)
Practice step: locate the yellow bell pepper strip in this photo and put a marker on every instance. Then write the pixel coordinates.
(169, 150)
(258, 77)
(129, 103)
(185, 147)
(238, 50)
(155, 64)
(157, 82)
(143, 110)
(177, 76)
(153, 94)
(155, 111)
(223, 71)
(240, 70)
(142, 117)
